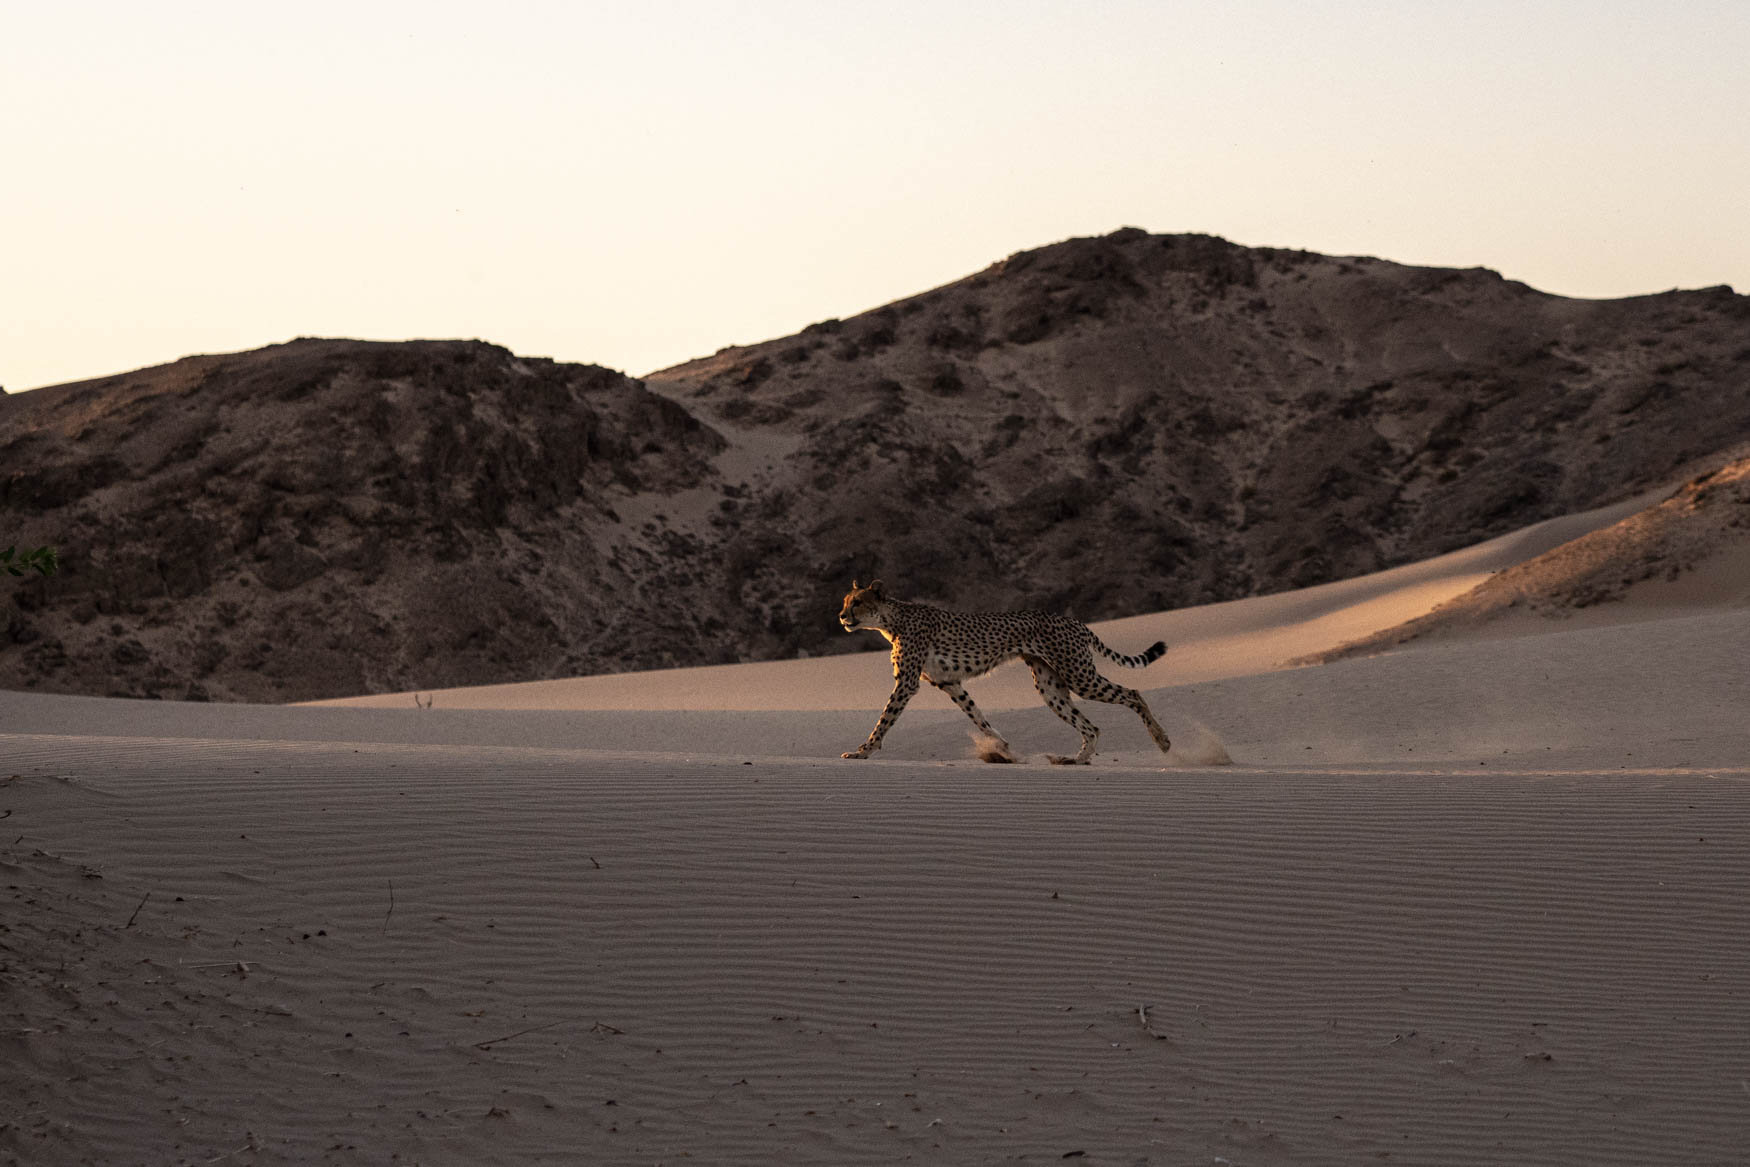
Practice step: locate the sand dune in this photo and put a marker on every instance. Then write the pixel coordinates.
(1475, 902)
(1690, 549)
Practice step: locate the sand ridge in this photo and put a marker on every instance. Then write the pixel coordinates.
(1689, 549)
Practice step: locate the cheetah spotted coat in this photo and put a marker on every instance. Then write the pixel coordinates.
(946, 648)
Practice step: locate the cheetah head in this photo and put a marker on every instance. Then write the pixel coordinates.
(865, 608)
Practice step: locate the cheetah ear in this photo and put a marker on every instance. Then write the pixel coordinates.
(855, 585)
(880, 592)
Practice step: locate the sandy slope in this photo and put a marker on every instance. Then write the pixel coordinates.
(1208, 642)
(1474, 902)
(1689, 549)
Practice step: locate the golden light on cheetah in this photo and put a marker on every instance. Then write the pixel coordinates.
(946, 648)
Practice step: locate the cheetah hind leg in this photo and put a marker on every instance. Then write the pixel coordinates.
(1098, 688)
(1057, 699)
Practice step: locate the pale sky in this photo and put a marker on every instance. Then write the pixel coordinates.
(635, 184)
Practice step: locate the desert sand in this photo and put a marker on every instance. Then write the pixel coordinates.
(1474, 901)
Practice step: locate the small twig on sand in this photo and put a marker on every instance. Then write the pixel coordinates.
(249, 1146)
(391, 910)
(142, 904)
(241, 966)
(1147, 1025)
(520, 1032)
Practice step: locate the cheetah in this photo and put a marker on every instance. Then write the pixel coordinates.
(946, 648)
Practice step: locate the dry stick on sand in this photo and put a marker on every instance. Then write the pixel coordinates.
(391, 910)
(598, 1027)
(520, 1032)
(1147, 1025)
(142, 904)
(240, 967)
(249, 1146)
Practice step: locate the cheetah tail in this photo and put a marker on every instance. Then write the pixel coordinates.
(1149, 656)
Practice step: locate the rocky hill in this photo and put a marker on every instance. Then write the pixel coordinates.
(1104, 426)
(328, 517)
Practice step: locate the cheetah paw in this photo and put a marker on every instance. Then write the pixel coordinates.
(994, 750)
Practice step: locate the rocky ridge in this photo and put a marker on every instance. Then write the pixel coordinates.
(1103, 426)
(328, 517)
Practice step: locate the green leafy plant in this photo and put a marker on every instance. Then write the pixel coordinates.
(42, 560)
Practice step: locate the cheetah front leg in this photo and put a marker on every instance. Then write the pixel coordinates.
(905, 686)
(991, 746)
